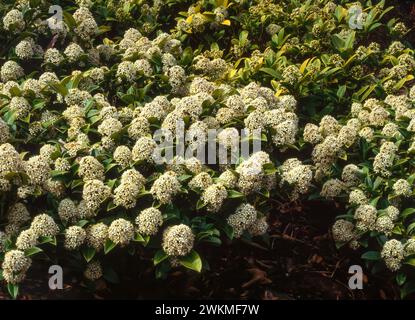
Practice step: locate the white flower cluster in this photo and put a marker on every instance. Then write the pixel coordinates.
(246, 218)
(393, 254)
(149, 221)
(166, 187)
(252, 176)
(127, 192)
(15, 266)
(178, 240)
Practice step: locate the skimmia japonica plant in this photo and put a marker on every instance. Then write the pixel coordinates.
(152, 127)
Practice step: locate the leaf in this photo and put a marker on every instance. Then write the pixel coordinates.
(374, 201)
(243, 37)
(110, 275)
(341, 91)
(51, 240)
(32, 251)
(410, 228)
(200, 204)
(108, 246)
(269, 168)
(187, 56)
(407, 289)
(69, 19)
(88, 253)
(228, 230)
(184, 177)
(82, 223)
(407, 212)
(338, 42)
(213, 240)
(374, 26)
(110, 166)
(59, 88)
(305, 64)
(271, 72)
(13, 290)
(371, 255)
(138, 238)
(400, 278)
(377, 183)
(111, 206)
(232, 194)
(57, 173)
(159, 256)
(192, 261)
(410, 262)
(15, 91)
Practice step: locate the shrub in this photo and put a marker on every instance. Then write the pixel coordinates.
(86, 101)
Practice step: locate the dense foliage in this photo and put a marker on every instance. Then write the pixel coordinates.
(85, 91)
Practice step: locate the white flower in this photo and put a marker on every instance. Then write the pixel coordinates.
(121, 231)
(149, 221)
(393, 253)
(74, 237)
(343, 231)
(44, 225)
(165, 187)
(244, 216)
(214, 196)
(178, 240)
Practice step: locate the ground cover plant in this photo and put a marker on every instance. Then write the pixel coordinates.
(90, 88)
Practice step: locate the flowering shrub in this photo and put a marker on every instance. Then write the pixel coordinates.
(86, 94)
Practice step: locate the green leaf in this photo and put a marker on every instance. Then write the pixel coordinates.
(108, 246)
(200, 204)
(269, 168)
(410, 262)
(407, 212)
(371, 255)
(138, 238)
(400, 278)
(184, 177)
(407, 289)
(88, 253)
(15, 91)
(159, 256)
(374, 201)
(338, 42)
(410, 228)
(228, 230)
(341, 91)
(377, 183)
(51, 240)
(192, 261)
(32, 251)
(69, 19)
(111, 206)
(82, 223)
(59, 88)
(110, 275)
(213, 240)
(13, 290)
(56, 173)
(272, 72)
(232, 194)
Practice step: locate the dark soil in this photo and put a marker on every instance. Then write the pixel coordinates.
(299, 261)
